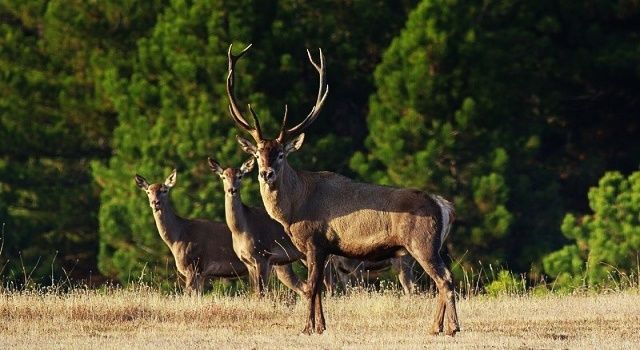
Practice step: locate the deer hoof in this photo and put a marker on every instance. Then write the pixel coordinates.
(307, 330)
(452, 331)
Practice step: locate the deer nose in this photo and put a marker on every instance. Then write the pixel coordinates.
(267, 174)
(232, 191)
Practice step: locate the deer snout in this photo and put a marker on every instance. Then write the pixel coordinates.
(268, 175)
(155, 204)
(232, 191)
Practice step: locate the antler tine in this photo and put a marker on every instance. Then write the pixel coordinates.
(323, 91)
(233, 107)
(283, 130)
(256, 122)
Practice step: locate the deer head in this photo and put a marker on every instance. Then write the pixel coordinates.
(271, 153)
(158, 193)
(231, 177)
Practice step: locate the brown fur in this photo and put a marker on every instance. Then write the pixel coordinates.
(259, 241)
(326, 213)
(202, 249)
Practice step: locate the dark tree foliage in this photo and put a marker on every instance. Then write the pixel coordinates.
(511, 109)
(53, 122)
(605, 244)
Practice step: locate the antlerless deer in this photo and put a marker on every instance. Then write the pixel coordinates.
(373, 222)
(259, 241)
(201, 248)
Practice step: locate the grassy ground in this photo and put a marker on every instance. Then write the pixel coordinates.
(144, 319)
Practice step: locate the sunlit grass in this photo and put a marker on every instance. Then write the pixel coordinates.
(142, 317)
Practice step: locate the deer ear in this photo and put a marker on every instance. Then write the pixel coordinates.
(214, 166)
(247, 166)
(141, 182)
(246, 145)
(294, 144)
(171, 179)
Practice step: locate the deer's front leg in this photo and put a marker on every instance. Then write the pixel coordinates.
(189, 283)
(315, 262)
(320, 323)
(264, 270)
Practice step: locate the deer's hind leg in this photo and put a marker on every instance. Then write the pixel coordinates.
(263, 269)
(194, 283)
(404, 268)
(286, 275)
(435, 267)
(188, 283)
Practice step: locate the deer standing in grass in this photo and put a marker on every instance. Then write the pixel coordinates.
(202, 249)
(345, 271)
(326, 213)
(259, 241)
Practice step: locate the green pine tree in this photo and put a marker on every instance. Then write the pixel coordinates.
(448, 117)
(53, 122)
(510, 109)
(605, 244)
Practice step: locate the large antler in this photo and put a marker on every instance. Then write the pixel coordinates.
(256, 132)
(323, 90)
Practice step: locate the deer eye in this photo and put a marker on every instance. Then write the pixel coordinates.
(280, 155)
(239, 176)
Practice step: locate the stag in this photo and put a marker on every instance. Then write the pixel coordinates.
(259, 241)
(201, 249)
(326, 213)
(345, 271)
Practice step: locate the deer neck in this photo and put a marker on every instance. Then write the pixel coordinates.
(235, 213)
(282, 198)
(168, 223)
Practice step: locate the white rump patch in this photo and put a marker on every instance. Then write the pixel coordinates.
(448, 214)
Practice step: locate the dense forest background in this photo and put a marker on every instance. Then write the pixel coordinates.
(514, 110)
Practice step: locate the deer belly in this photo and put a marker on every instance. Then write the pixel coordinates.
(374, 246)
(225, 269)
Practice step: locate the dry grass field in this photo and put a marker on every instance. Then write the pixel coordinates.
(144, 319)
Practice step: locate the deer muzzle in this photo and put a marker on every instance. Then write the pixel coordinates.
(268, 175)
(155, 205)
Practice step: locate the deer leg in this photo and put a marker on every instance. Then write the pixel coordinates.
(320, 322)
(188, 283)
(262, 277)
(317, 298)
(253, 277)
(315, 263)
(328, 278)
(195, 287)
(345, 279)
(263, 270)
(286, 275)
(405, 273)
(437, 270)
(321, 325)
